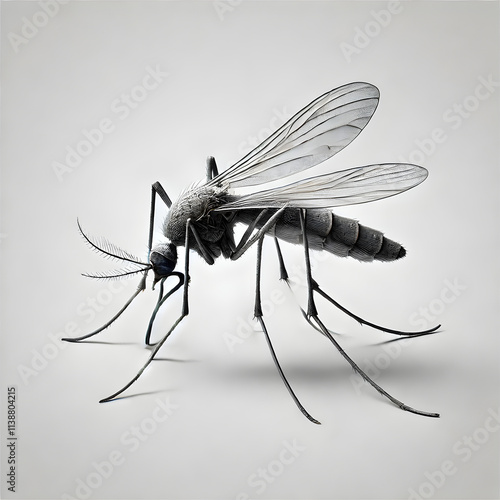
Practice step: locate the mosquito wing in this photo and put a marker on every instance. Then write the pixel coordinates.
(346, 187)
(317, 132)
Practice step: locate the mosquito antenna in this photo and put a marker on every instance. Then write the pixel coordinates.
(119, 273)
(108, 249)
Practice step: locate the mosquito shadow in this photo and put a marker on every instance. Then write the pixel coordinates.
(178, 360)
(399, 339)
(303, 372)
(102, 342)
(140, 394)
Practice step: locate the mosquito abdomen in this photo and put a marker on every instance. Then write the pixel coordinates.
(338, 235)
(349, 238)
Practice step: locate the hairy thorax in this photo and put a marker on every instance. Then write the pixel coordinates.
(195, 204)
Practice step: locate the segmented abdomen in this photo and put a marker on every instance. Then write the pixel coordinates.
(338, 235)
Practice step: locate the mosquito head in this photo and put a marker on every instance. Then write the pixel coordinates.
(163, 259)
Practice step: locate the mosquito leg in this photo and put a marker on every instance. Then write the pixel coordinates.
(365, 377)
(140, 288)
(317, 289)
(312, 314)
(212, 170)
(258, 314)
(311, 306)
(201, 246)
(246, 235)
(184, 313)
(156, 189)
(283, 272)
(151, 357)
(185, 306)
(284, 276)
(161, 300)
(247, 241)
(314, 287)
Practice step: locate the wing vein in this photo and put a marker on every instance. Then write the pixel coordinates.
(317, 132)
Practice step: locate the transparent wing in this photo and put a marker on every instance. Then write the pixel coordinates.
(314, 134)
(346, 187)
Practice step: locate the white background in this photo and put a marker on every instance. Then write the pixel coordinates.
(231, 70)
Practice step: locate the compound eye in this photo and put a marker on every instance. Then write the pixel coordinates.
(163, 258)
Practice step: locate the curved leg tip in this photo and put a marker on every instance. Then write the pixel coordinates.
(107, 400)
(73, 340)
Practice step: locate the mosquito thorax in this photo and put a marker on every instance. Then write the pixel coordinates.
(163, 259)
(195, 204)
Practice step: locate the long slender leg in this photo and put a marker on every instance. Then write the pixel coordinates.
(201, 246)
(283, 271)
(258, 314)
(311, 306)
(184, 313)
(362, 321)
(161, 300)
(365, 377)
(312, 313)
(185, 305)
(151, 357)
(246, 235)
(156, 189)
(212, 170)
(315, 287)
(245, 244)
(140, 288)
(284, 276)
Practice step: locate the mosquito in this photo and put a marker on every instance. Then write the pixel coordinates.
(204, 217)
